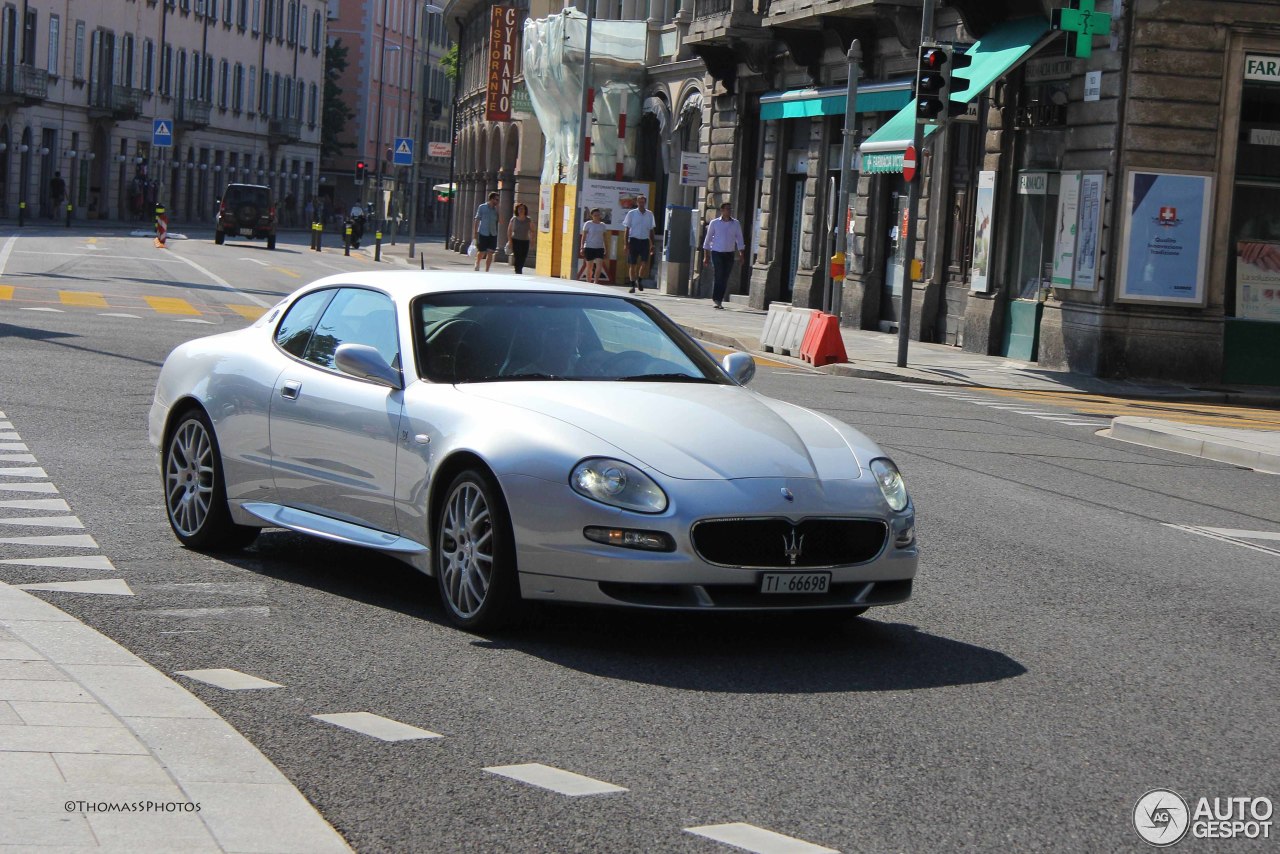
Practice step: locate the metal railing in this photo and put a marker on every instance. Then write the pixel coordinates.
(711, 8)
(124, 102)
(25, 81)
(286, 129)
(193, 112)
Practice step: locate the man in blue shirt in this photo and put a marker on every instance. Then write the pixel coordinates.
(723, 243)
(485, 232)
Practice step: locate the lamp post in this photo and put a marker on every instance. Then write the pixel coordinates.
(377, 153)
(418, 152)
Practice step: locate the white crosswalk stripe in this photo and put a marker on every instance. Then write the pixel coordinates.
(748, 837)
(555, 779)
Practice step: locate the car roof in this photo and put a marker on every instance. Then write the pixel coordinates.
(404, 285)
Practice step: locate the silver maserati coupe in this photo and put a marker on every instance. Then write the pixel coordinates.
(519, 439)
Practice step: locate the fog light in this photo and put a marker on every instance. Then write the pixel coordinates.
(651, 541)
(905, 537)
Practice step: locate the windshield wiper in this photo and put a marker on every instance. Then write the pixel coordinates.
(497, 378)
(678, 378)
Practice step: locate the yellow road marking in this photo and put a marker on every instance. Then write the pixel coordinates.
(6, 291)
(1212, 414)
(248, 312)
(92, 240)
(171, 305)
(760, 360)
(82, 298)
(287, 272)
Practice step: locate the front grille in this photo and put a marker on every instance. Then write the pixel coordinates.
(779, 543)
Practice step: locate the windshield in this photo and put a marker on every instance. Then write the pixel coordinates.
(497, 336)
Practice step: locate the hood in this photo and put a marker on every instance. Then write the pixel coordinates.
(692, 431)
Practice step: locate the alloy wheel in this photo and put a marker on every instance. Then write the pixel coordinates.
(189, 477)
(466, 550)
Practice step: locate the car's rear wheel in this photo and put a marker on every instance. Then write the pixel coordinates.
(194, 490)
(474, 553)
(219, 236)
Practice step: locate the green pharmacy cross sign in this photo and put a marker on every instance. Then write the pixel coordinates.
(1081, 22)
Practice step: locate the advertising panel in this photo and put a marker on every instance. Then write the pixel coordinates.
(1089, 238)
(614, 198)
(983, 226)
(1258, 280)
(502, 63)
(1166, 238)
(1064, 240)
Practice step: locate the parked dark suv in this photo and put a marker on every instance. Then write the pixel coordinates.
(246, 210)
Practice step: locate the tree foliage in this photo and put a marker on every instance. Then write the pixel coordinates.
(336, 112)
(449, 62)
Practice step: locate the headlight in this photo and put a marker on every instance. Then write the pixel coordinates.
(617, 484)
(890, 482)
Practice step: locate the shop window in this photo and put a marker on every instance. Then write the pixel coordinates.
(1255, 220)
(966, 162)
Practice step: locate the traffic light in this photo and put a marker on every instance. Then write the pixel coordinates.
(958, 80)
(360, 170)
(932, 91)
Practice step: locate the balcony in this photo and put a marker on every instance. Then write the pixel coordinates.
(715, 21)
(284, 130)
(22, 84)
(115, 102)
(192, 113)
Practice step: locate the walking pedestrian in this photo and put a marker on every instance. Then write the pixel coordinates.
(519, 233)
(57, 193)
(484, 232)
(591, 244)
(639, 226)
(722, 244)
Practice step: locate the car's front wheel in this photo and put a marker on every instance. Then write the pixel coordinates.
(194, 491)
(474, 553)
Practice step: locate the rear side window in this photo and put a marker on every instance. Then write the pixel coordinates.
(299, 321)
(237, 194)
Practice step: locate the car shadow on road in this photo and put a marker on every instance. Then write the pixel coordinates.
(778, 653)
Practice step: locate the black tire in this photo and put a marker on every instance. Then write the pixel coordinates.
(271, 241)
(195, 496)
(219, 237)
(472, 529)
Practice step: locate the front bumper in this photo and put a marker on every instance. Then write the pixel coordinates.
(557, 563)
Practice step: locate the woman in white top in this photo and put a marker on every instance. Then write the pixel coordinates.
(591, 245)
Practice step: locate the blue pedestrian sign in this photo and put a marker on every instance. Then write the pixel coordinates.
(402, 154)
(162, 133)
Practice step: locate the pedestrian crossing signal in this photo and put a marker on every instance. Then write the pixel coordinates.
(360, 171)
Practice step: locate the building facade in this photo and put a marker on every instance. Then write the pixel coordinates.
(396, 88)
(235, 83)
(1036, 234)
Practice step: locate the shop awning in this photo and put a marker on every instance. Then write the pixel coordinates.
(1002, 48)
(830, 100)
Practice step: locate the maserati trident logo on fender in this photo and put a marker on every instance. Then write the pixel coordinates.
(787, 494)
(793, 548)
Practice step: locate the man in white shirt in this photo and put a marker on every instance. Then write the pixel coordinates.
(720, 247)
(640, 227)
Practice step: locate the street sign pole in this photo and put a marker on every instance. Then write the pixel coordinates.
(848, 189)
(913, 207)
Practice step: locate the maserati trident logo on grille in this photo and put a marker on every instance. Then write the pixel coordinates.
(792, 548)
(786, 493)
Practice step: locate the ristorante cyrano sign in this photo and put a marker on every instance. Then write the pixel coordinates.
(502, 63)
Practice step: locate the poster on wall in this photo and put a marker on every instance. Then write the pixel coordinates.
(983, 225)
(544, 208)
(1258, 280)
(1089, 232)
(1064, 235)
(614, 198)
(1166, 238)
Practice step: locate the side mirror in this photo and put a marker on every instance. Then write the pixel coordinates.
(739, 366)
(366, 363)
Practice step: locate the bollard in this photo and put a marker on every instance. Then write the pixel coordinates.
(422, 262)
(346, 248)
(319, 235)
(162, 227)
(22, 214)
(68, 214)
(377, 246)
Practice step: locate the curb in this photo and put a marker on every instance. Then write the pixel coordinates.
(1189, 440)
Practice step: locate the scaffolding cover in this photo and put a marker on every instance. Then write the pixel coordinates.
(554, 60)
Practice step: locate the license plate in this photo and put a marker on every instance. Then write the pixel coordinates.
(795, 582)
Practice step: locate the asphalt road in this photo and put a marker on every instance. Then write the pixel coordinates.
(1065, 651)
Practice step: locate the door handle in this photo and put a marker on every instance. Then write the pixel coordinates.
(290, 390)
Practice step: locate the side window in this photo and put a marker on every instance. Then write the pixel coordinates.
(294, 330)
(356, 316)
